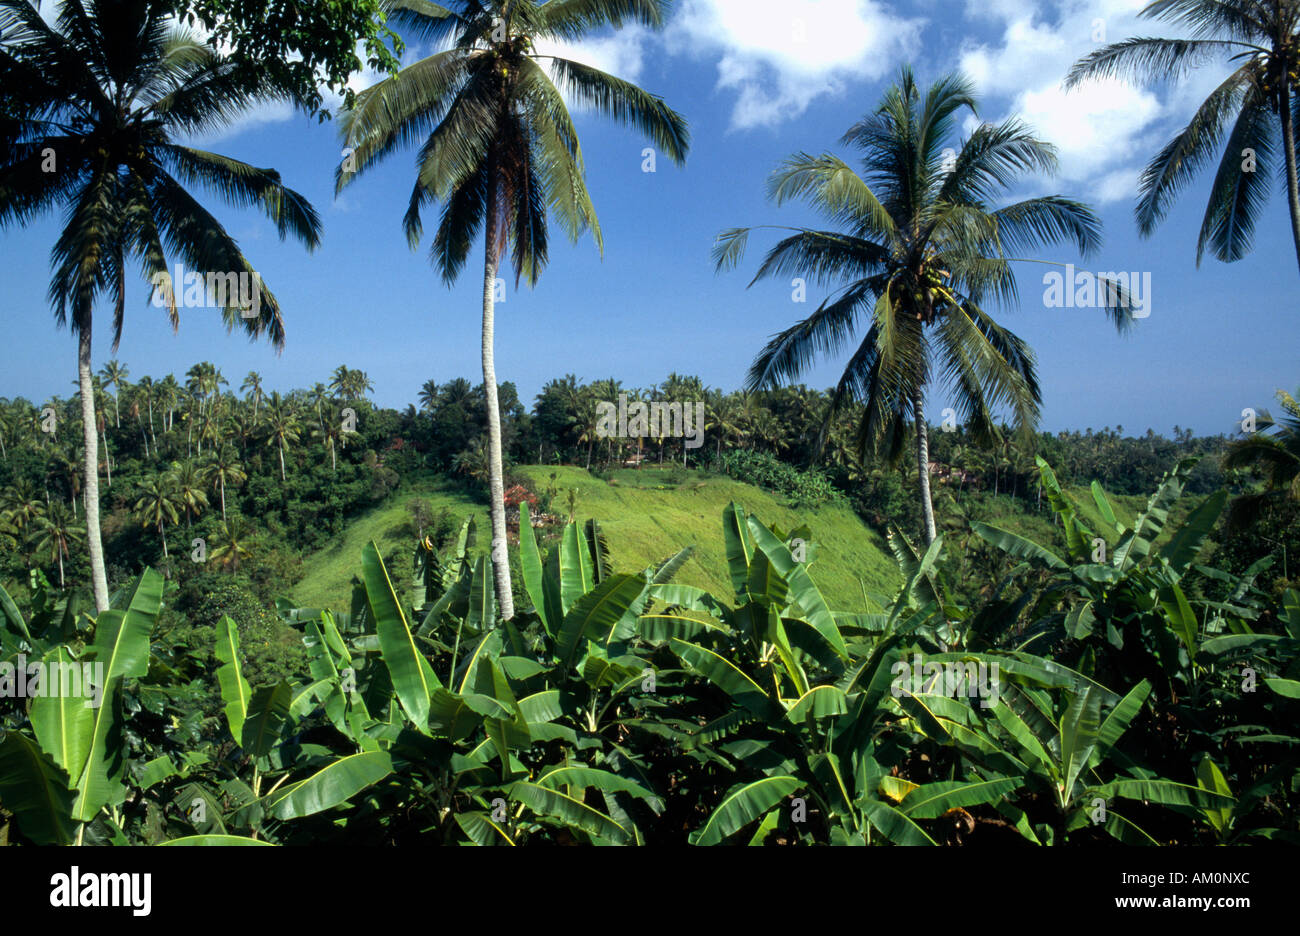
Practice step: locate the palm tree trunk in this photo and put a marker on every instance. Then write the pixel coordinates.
(163, 534)
(223, 500)
(282, 460)
(1292, 185)
(923, 463)
(90, 436)
(496, 483)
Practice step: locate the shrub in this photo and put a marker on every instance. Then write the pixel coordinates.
(802, 488)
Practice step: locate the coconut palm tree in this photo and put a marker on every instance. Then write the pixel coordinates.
(20, 503)
(319, 396)
(917, 254)
(169, 397)
(67, 466)
(429, 396)
(157, 506)
(252, 385)
(500, 148)
(146, 394)
(1261, 38)
(114, 375)
(187, 483)
(53, 533)
(332, 435)
(102, 93)
(223, 468)
(9, 423)
(282, 425)
(231, 539)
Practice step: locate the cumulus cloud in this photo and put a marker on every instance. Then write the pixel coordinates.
(1105, 130)
(778, 56)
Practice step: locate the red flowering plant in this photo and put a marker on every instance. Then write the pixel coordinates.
(518, 494)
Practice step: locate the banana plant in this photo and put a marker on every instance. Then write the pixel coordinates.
(1100, 598)
(67, 767)
(798, 693)
(1060, 746)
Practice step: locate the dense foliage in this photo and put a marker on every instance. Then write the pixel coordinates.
(1132, 693)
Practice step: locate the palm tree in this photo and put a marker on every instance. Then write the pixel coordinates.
(223, 468)
(501, 148)
(331, 434)
(54, 532)
(282, 425)
(146, 392)
(9, 422)
(1274, 450)
(158, 506)
(429, 396)
(342, 382)
(67, 466)
(232, 534)
(105, 90)
(20, 503)
(114, 374)
(1262, 40)
(169, 397)
(187, 484)
(918, 253)
(253, 385)
(319, 395)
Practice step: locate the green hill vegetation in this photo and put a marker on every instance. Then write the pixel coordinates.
(646, 514)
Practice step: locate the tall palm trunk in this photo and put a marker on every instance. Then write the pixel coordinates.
(282, 459)
(163, 533)
(223, 499)
(90, 436)
(496, 485)
(1292, 183)
(923, 463)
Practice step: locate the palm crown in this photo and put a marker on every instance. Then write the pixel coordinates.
(100, 99)
(1262, 40)
(917, 254)
(498, 141)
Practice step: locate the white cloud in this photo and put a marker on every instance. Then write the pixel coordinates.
(1105, 130)
(780, 55)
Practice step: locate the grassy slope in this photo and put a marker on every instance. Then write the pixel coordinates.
(329, 571)
(643, 524)
(646, 519)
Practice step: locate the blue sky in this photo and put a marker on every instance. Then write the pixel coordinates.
(757, 81)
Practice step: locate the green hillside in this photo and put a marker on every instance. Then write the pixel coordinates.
(645, 518)
(651, 513)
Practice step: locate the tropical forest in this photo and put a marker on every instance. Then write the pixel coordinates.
(741, 518)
